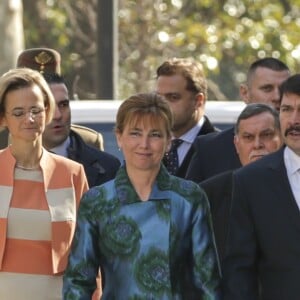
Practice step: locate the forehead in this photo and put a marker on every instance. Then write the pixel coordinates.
(170, 83)
(61, 87)
(30, 93)
(257, 123)
(147, 121)
(290, 99)
(264, 76)
(59, 91)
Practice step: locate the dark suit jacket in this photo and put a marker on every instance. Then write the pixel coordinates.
(99, 166)
(214, 153)
(264, 234)
(206, 128)
(219, 193)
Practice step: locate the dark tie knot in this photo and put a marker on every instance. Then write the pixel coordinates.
(176, 143)
(171, 157)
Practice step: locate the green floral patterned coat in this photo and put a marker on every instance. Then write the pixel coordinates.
(162, 248)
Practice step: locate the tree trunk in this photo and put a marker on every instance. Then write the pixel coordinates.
(11, 33)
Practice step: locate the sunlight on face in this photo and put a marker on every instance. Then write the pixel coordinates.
(290, 121)
(30, 126)
(144, 142)
(183, 103)
(257, 137)
(264, 87)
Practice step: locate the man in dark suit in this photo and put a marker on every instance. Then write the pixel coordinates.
(263, 249)
(257, 133)
(60, 136)
(215, 153)
(183, 84)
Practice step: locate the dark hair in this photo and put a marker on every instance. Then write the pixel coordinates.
(290, 86)
(53, 78)
(190, 69)
(269, 63)
(254, 109)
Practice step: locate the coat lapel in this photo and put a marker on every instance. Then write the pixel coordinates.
(282, 188)
(207, 127)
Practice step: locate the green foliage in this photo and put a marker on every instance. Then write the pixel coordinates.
(226, 36)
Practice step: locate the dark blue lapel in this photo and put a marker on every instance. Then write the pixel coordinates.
(282, 188)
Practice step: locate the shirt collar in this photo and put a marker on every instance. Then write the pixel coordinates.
(292, 160)
(190, 135)
(62, 148)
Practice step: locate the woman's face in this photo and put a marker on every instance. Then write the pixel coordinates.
(25, 113)
(144, 143)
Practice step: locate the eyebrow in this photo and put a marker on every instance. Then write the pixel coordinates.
(23, 108)
(267, 85)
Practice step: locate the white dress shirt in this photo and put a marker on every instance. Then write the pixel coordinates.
(292, 164)
(62, 148)
(188, 139)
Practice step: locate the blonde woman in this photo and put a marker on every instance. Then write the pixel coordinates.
(39, 193)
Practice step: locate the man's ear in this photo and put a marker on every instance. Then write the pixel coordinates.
(200, 100)
(235, 141)
(244, 93)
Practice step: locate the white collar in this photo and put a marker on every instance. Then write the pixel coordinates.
(190, 135)
(62, 148)
(292, 160)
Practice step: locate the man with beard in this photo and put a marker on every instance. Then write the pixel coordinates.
(181, 81)
(263, 249)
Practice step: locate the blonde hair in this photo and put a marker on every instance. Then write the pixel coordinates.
(21, 78)
(138, 106)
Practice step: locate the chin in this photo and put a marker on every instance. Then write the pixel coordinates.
(257, 157)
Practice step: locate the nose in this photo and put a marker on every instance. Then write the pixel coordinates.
(258, 143)
(144, 142)
(29, 116)
(295, 118)
(57, 113)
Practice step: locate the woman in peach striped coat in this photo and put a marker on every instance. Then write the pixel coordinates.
(39, 193)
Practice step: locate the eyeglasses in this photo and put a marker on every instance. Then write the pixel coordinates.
(20, 113)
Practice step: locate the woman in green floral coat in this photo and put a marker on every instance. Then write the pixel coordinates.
(148, 231)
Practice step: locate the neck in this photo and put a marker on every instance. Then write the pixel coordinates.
(143, 182)
(27, 159)
(179, 131)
